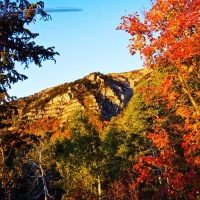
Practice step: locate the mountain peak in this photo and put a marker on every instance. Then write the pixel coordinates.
(100, 95)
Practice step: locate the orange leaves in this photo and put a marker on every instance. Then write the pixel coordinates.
(197, 161)
(160, 139)
(50, 126)
(169, 40)
(124, 188)
(166, 168)
(184, 112)
(191, 146)
(142, 170)
(198, 93)
(138, 30)
(169, 30)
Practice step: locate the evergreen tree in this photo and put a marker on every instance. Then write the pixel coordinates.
(17, 41)
(16, 46)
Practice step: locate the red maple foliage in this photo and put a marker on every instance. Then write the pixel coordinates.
(168, 39)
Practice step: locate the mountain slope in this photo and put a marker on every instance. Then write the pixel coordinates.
(100, 95)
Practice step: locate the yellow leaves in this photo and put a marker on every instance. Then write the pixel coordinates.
(185, 68)
(183, 112)
(191, 69)
(186, 32)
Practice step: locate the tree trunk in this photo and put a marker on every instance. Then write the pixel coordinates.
(99, 186)
(43, 175)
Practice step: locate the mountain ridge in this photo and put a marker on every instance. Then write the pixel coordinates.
(100, 95)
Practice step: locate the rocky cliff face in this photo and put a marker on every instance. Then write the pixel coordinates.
(103, 95)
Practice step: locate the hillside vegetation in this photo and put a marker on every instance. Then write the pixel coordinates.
(133, 135)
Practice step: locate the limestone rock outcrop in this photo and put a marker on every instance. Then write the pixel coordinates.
(104, 95)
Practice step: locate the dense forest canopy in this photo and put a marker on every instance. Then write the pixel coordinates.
(151, 150)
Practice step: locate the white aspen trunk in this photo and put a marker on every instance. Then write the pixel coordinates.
(43, 175)
(99, 186)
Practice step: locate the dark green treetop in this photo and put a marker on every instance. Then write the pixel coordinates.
(17, 41)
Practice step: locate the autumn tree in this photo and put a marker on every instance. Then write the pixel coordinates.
(125, 138)
(169, 36)
(80, 159)
(123, 188)
(168, 41)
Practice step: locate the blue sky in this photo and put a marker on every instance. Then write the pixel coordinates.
(87, 42)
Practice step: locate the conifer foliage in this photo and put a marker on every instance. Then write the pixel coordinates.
(17, 41)
(17, 45)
